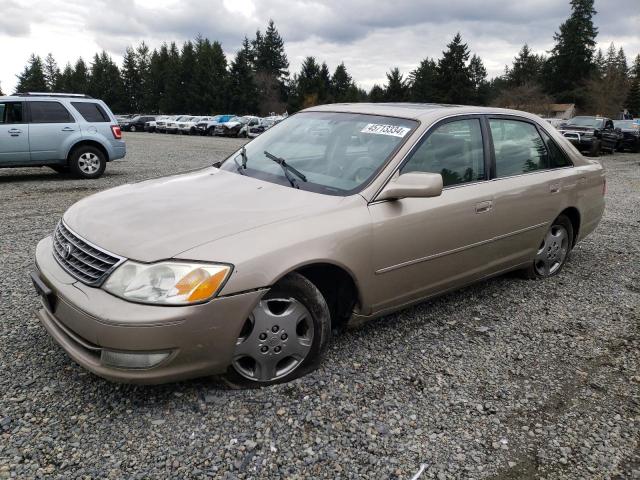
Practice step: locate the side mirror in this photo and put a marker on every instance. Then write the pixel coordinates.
(413, 185)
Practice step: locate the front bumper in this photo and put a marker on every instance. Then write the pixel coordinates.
(85, 320)
(580, 141)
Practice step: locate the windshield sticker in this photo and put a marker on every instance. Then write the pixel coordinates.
(380, 129)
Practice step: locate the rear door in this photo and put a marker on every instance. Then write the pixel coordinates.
(528, 187)
(14, 134)
(52, 130)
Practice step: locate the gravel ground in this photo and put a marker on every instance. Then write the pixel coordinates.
(507, 379)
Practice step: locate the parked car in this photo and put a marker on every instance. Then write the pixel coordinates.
(66, 132)
(137, 123)
(630, 130)
(208, 127)
(172, 124)
(189, 127)
(161, 124)
(254, 261)
(122, 119)
(237, 126)
(150, 126)
(263, 125)
(591, 134)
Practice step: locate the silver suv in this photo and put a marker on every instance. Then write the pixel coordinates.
(67, 132)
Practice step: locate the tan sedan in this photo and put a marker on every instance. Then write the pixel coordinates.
(339, 214)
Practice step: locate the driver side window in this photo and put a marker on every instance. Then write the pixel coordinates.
(454, 150)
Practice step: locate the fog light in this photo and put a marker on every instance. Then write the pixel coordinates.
(132, 359)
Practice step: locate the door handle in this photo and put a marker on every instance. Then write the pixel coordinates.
(483, 207)
(554, 187)
(68, 129)
(14, 132)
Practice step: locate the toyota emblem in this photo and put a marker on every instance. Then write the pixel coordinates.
(66, 251)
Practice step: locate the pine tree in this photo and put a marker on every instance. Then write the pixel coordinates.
(143, 58)
(32, 79)
(271, 67)
(527, 68)
(422, 81)
(396, 89)
(376, 94)
(105, 82)
(308, 85)
(243, 91)
(600, 64)
(131, 81)
(171, 101)
(324, 94)
(79, 81)
(65, 80)
(478, 75)
(51, 73)
(342, 86)
(632, 102)
(187, 84)
(454, 83)
(571, 62)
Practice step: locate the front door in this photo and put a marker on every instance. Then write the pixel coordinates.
(423, 246)
(51, 130)
(14, 134)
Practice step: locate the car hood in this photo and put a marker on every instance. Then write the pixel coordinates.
(231, 124)
(158, 219)
(576, 128)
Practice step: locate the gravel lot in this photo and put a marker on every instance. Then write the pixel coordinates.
(508, 379)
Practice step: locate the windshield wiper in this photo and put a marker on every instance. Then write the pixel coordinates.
(287, 169)
(241, 166)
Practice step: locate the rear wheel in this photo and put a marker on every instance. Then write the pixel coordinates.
(132, 128)
(284, 337)
(87, 162)
(553, 250)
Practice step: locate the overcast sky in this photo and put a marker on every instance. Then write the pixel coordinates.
(368, 35)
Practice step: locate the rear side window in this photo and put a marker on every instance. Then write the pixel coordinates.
(49, 112)
(91, 112)
(557, 158)
(518, 146)
(453, 150)
(11, 112)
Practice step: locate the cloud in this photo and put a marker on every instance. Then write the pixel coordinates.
(370, 37)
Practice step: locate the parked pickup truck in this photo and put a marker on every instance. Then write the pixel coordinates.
(592, 134)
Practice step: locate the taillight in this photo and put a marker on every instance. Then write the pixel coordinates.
(117, 133)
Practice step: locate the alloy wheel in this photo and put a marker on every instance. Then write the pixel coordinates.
(552, 252)
(89, 163)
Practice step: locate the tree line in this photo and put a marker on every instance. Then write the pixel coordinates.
(197, 77)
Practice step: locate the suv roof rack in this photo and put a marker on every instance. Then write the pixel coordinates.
(52, 94)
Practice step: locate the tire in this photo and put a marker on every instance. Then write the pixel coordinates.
(133, 128)
(553, 251)
(285, 336)
(62, 169)
(87, 162)
(210, 132)
(596, 148)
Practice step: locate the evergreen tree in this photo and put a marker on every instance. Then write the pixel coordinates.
(210, 79)
(65, 80)
(342, 87)
(155, 83)
(32, 79)
(376, 94)
(51, 73)
(453, 80)
(105, 82)
(572, 59)
(271, 67)
(143, 57)
(606, 91)
(324, 94)
(243, 91)
(171, 101)
(478, 75)
(131, 81)
(79, 81)
(422, 81)
(396, 89)
(632, 102)
(527, 68)
(1, 92)
(187, 83)
(308, 85)
(599, 64)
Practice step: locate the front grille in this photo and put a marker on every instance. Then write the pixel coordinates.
(87, 263)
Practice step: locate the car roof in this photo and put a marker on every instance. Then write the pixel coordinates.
(414, 111)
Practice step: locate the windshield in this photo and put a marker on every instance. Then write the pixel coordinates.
(625, 124)
(338, 153)
(586, 122)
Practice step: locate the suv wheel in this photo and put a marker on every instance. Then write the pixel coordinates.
(132, 128)
(595, 149)
(284, 337)
(87, 162)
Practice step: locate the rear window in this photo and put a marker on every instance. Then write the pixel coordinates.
(49, 112)
(11, 112)
(91, 112)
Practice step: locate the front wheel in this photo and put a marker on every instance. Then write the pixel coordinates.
(596, 147)
(132, 128)
(87, 162)
(284, 337)
(553, 251)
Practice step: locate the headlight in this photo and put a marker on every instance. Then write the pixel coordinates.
(167, 283)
